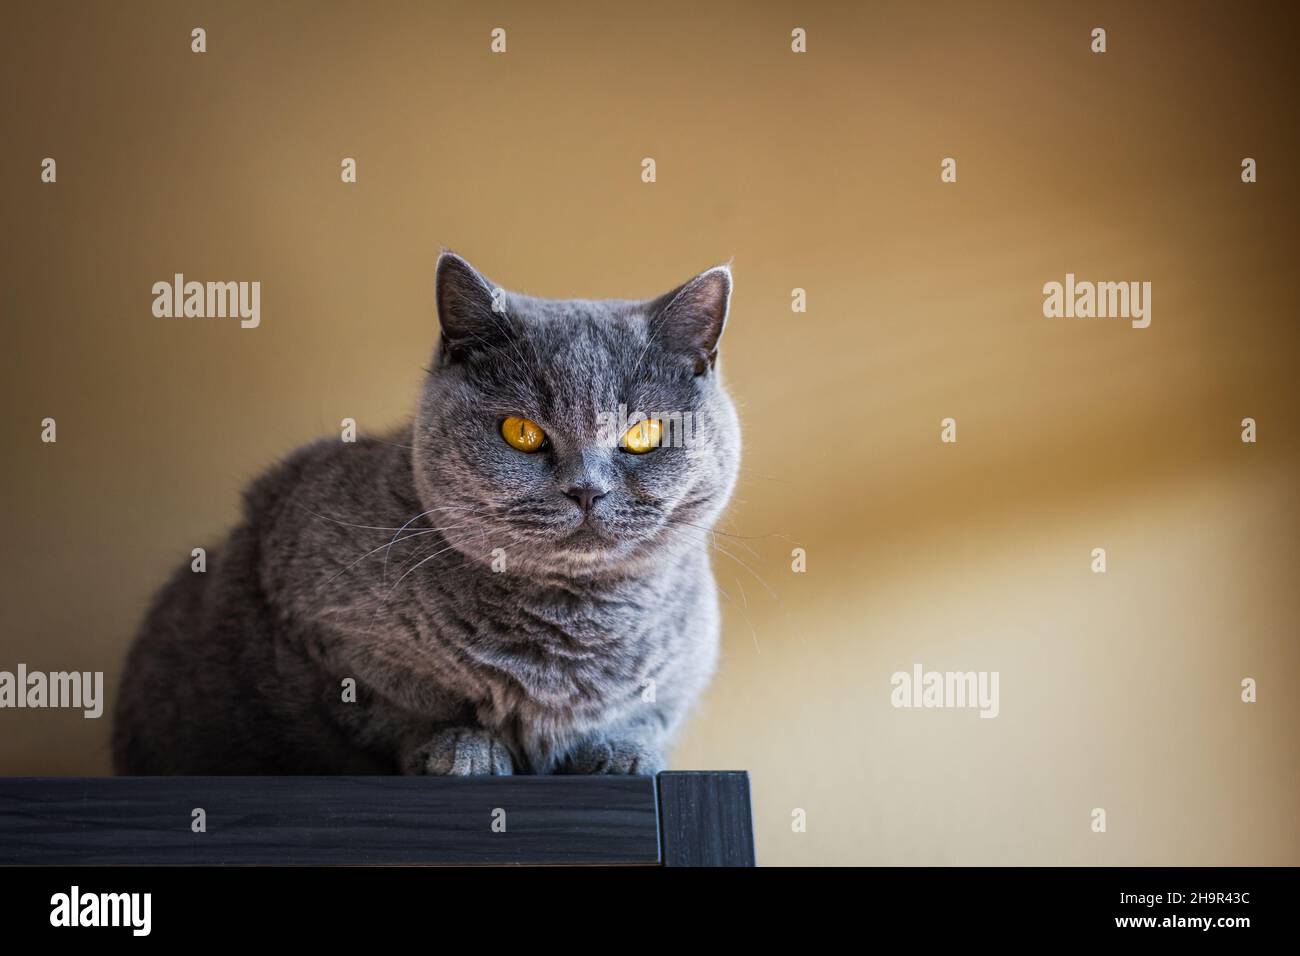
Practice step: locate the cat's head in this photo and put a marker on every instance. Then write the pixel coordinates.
(578, 437)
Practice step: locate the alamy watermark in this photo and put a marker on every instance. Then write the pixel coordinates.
(76, 908)
(946, 690)
(674, 429)
(55, 690)
(1098, 300)
(209, 300)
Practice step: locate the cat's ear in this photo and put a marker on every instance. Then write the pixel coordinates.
(689, 320)
(469, 309)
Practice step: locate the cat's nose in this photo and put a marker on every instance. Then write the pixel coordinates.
(585, 495)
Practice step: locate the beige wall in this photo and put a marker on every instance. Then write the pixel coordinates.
(819, 171)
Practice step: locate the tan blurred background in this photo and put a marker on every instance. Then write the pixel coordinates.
(818, 171)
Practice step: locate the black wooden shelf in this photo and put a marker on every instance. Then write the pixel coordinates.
(677, 819)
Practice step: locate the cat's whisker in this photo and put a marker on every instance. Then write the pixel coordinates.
(482, 532)
(713, 543)
(388, 546)
(743, 597)
(395, 540)
(753, 634)
(422, 562)
(738, 537)
(391, 444)
(339, 574)
(348, 524)
(758, 577)
(398, 532)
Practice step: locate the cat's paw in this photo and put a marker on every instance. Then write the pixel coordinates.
(613, 756)
(461, 752)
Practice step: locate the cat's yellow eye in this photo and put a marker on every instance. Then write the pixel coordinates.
(523, 433)
(643, 436)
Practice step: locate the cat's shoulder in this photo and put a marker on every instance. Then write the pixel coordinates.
(331, 469)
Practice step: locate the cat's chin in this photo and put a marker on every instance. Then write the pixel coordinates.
(590, 547)
(587, 539)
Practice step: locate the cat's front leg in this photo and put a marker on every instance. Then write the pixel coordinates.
(615, 755)
(459, 752)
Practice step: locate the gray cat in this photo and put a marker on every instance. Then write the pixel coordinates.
(518, 582)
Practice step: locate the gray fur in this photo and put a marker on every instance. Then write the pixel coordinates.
(461, 668)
